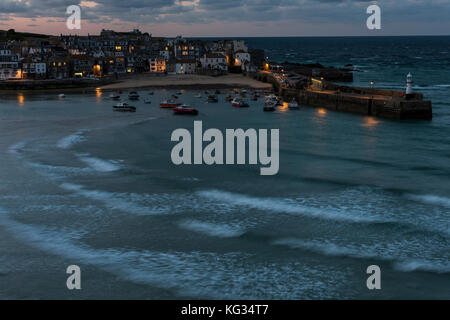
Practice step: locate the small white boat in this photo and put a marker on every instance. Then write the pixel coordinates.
(198, 95)
(293, 105)
(114, 96)
(62, 95)
(124, 107)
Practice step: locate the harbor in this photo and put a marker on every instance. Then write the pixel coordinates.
(365, 101)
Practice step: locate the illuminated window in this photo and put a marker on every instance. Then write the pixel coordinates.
(185, 53)
(118, 48)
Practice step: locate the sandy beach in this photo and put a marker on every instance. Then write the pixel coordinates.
(186, 81)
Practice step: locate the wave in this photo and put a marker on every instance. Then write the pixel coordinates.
(58, 172)
(214, 230)
(375, 252)
(431, 199)
(69, 141)
(129, 203)
(285, 206)
(421, 265)
(194, 274)
(99, 164)
(16, 149)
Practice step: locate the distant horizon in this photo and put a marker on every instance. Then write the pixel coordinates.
(227, 37)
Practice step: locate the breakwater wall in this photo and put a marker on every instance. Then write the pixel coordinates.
(396, 108)
(365, 101)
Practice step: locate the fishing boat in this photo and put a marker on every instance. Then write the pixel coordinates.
(212, 98)
(228, 98)
(198, 95)
(169, 104)
(133, 95)
(293, 105)
(124, 107)
(185, 109)
(174, 96)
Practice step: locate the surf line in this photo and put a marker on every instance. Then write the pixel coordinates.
(235, 147)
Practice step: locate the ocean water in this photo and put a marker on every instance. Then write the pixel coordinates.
(82, 185)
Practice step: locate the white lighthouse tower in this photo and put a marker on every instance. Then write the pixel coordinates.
(409, 83)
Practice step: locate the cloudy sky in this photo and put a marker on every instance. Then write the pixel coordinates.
(233, 18)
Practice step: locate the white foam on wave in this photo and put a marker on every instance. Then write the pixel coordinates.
(422, 265)
(431, 199)
(99, 164)
(280, 205)
(69, 141)
(129, 203)
(394, 254)
(16, 149)
(196, 274)
(212, 229)
(58, 172)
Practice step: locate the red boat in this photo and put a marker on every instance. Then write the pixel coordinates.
(185, 109)
(169, 104)
(239, 103)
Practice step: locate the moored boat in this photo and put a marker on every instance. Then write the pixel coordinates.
(239, 103)
(133, 95)
(114, 96)
(148, 101)
(293, 105)
(269, 108)
(124, 107)
(212, 98)
(185, 109)
(169, 104)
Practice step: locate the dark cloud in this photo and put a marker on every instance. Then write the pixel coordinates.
(207, 11)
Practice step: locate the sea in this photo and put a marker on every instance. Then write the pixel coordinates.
(81, 185)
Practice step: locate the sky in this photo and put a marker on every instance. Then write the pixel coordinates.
(230, 18)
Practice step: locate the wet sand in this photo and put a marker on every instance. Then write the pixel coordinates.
(187, 81)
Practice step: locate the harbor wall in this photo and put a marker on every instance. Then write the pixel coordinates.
(394, 108)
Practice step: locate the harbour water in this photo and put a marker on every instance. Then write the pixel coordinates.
(81, 185)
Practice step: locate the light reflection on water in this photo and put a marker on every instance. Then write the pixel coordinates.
(21, 99)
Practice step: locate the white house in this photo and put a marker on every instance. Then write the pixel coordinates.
(241, 58)
(214, 61)
(9, 65)
(34, 70)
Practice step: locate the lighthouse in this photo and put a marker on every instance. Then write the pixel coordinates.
(409, 83)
